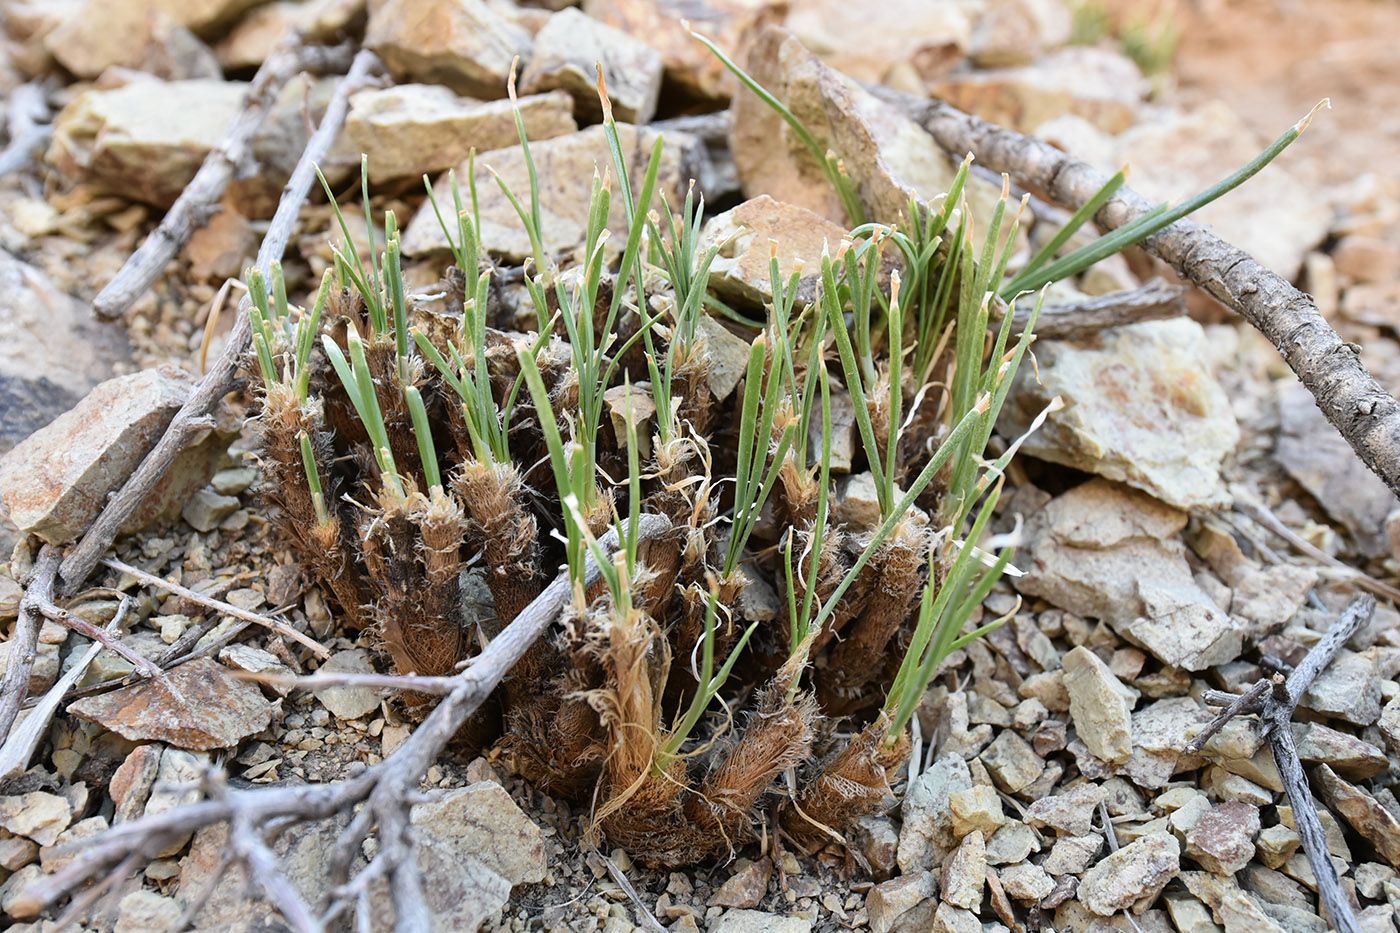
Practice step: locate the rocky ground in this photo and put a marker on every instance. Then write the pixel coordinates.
(1191, 521)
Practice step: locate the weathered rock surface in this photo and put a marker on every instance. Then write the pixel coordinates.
(1374, 822)
(96, 34)
(887, 40)
(1099, 705)
(349, 702)
(747, 237)
(467, 45)
(1135, 872)
(415, 129)
(759, 921)
(1107, 552)
(565, 57)
(1141, 407)
(55, 482)
(1222, 841)
(902, 903)
(1230, 906)
(927, 836)
(250, 41)
(214, 709)
(38, 815)
(965, 873)
(565, 165)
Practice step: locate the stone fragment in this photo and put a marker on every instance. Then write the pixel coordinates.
(1158, 731)
(1189, 915)
(1232, 907)
(349, 702)
(44, 672)
(1371, 878)
(255, 35)
(1222, 841)
(414, 129)
(965, 873)
(1135, 872)
(950, 919)
(1070, 813)
(1026, 882)
(564, 58)
(1012, 844)
(1095, 84)
(927, 835)
(206, 508)
(214, 710)
(222, 248)
(70, 842)
(904, 37)
(759, 921)
(176, 784)
(255, 660)
(1314, 454)
(1071, 855)
(1367, 258)
(1348, 688)
(38, 816)
(878, 840)
(906, 902)
(1390, 725)
(17, 852)
(97, 34)
(467, 45)
(132, 781)
(144, 911)
(1011, 762)
(1350, 757)
(1374, 822)
(1100, 707)
(750, 234)
(1141, 407)
(569, 162)
(746, 886)
(887, 155)
(13, 891)
(975, 810)
(56, 481)
(1276, 844)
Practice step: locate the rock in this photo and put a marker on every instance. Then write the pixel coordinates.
(1026, 882)
(349, 702)
(414, 129)
(126, 142)
(97, 34)
(250, 41)
(1390, 725)
(222, 248)
(1071, 855)
(950, 919)
(759, 921)
(748, 236)
(888, 156)
(1071, 813)
(1095, 84)
(56, 481)
(176, 784)
(728, 356)
(1015, 32)
(38, 816)
(1276, 218)
(927, 835)
(1100, 706)
(45, 670)
(206, 508)
(569, 161)
(144, 911)
(965, 873)
(1158, 731)
(1350, 757)
(565, 55)
(662, 24)
(1189, 915)
(1141, 407)
(1348, 688)
(1232, 907)
(1367, 258)
(975, 810)
(1314, 454)
(1370, 878)
(69, 843)
(746, 886)
(1107, 552)
(1011, 762)
(878, 840)
(12, 899)
(1136, 872)
(1378, 825)
(1222, 841)
(132, 782)
(215, 709)
(903, 903)
(1276, 844)
(465, 44)
(1012, 844)
(924, 39)
(17, 852)
(257, 661)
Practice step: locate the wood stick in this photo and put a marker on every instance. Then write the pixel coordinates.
(23, 643)
(1244, 703)
(387, 789)
(1155, 301)
(193, 415)
(1354, 402)
(28, 106)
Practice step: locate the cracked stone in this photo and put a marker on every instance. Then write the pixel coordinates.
(1222, 841)
(564, 57)
(1070, 813)
(965, 873)
(1374, 822)
(1099, 705)
(975, 809)
(1136, 872)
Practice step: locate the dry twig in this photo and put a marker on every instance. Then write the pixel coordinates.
(387, 790)
(193, 416)
(15, 686)
(1354, 402)
(28, 106)
(1155, 301)
(1274, 699)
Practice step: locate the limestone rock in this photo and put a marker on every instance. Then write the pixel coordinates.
(144, 141)
(1348, 688)
(1158, 731)
(1378, 825)
(349, 702)
(1231, 906)
(1107, 552)
(1071, 813)
(96, 34)
(902, 903)
(950, 919)
(746, 886)
(55, 482)
(1026, 882)
(728, 356)
(1011, 761)
(886, 39)
(566, 165)
(205, 509)
(1314, 454)
(975, 810)
(759, 921)
(132, 782)
(414, 129)
(250, 41)
(1350, 757)
(467, 45)
(144, 911)
(927, 836)
(1012, 844)
(747, 235)
(1141, 407)
(965, 873)
(214, 710)
(1094, 84)
(1136, 872)
(1099, 706)
(1016, 32)
(564, 57)
(1222, 841)
(38, 815)
(43, 673)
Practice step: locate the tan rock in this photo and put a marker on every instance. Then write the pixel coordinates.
(975, 810)
(132, 782)
(906, 902)
(1137, 872)
(1015, 32)
(1231, 906)
(221, 248)
(416, 129)
(1374, 822)
(565, 57)
(567, 164)
(965, 873)
(465, 44)
(1026, 882)
(927, 38)
(1099, 705)
(1222, 841)
(1011, 761)
(347, 702)
(96, 34)
(950, 919)
(749, 235)
(38, 815)
(1070, 813)
(250, 41)
(728, 357)
(1072, 855)
(56, 481)
(746, 886)
(1349, 756)
(928, 835)
(145, 911)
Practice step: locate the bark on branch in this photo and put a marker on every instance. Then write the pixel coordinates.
(1356, 404)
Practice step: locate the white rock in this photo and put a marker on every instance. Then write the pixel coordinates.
(565, 57)
(349, 702)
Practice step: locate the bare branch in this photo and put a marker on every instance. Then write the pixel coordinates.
(219, 380)
(24, 642)
(28, 106)
(1155, 301)
(1246, 702)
